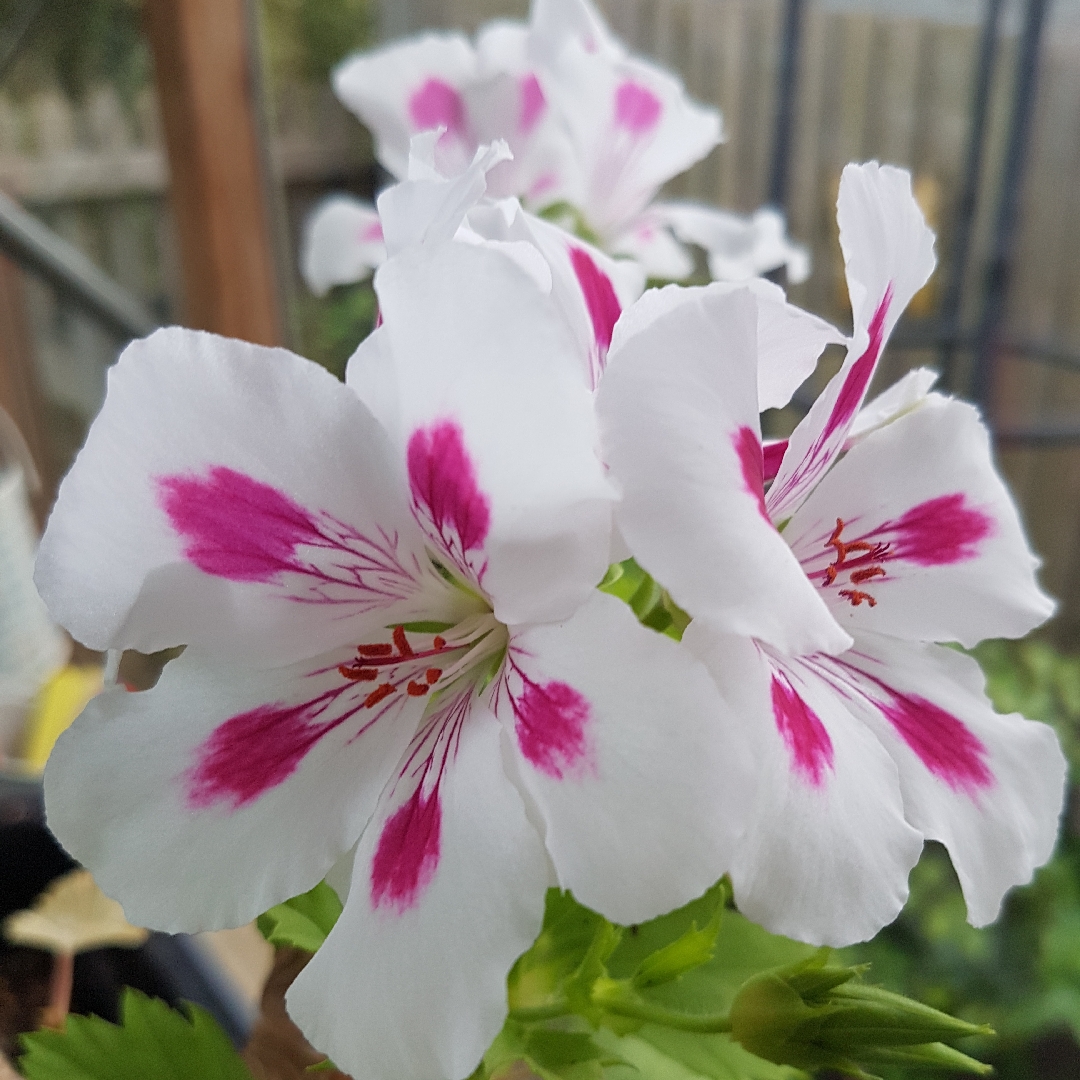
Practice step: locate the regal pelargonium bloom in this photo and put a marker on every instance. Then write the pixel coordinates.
(592, 130)
(397, 663)
(818, 602)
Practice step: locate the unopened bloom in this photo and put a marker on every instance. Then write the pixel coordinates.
(594, 135)
(397, 663)
(817, 603)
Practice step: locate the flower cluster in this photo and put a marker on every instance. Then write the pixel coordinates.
(399, 674)
(594, 134)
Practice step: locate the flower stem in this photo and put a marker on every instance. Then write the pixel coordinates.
(703, 1023)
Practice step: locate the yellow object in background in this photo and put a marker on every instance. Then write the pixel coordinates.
(61, 699)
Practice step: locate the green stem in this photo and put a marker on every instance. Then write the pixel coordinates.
(532, 1013)
(703, 1024)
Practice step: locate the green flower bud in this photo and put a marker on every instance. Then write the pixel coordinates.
(814, 1015)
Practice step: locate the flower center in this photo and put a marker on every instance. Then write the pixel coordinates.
(435, 657)
(860, 560)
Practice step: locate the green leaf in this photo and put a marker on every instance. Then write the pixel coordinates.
(662, 1054)
(152, 1040)
(304, 921)
(692, 949)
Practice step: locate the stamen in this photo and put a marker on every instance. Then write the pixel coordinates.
(401, 641)
(416, 689)
(380, 648)
(380, 693)
(859, 576)
(432, 675)
(358, 674)
(856, 597)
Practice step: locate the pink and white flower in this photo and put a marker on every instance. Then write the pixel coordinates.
(397, 662)
(590, 128)
(818, 602)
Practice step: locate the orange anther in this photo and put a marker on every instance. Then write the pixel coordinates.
(859, 576)
(830, 575)
(417, 689)
(433, 674)
(401, 641)
(378, 649)
(380, 693)
(856, 597)
(358, 674)
(439, 642)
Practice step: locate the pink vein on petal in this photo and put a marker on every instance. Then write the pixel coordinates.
(437, 104)
(803, 732)
(444, 488)
(600, 300)
(253, 752)
(235, 527)
(533, 103)
(407, 853)
(940, 531)
(550, 722)
(752, 463)
(637, 108)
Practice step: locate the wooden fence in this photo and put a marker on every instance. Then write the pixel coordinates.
(870, 86)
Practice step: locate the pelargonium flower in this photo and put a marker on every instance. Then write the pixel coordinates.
(819, 602)
(397, 665)
(592, 130)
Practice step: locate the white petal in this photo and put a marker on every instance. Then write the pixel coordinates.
(989, 787)
(412, 991)
(408, 87)
(430, 210)
(659, 254)
(623, 743)
(946, 558)
(222, 791)
(679, 419)
(827, 852)
(555, 23)
(904, 395)
(232, 495)
(343, 243)
(500, 430)
(889, 254)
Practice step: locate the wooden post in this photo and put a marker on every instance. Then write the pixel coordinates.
(218, 185)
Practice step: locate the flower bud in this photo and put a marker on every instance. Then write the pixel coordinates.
(815, 1015)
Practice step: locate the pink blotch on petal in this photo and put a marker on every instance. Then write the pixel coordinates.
(533, 103)
(941, 532)
(600, 299)
(803, 732)
(437, 104)
(407, 854)
(773, 455)
(858, 378)
(550, 723)
(251, 753)
(752, 463)
(443, 482)
(944, 744)
(372, 233)
(637, 108)
(233, 526)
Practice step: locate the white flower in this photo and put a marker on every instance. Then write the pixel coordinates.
(397, 663)
(817, 603)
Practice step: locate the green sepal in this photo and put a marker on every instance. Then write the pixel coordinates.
(692, 949)
(302, 922)
(928, 1056)
(152, 1040)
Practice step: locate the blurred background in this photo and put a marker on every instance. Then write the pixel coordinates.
(160, 158)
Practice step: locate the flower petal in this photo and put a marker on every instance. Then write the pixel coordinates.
(343, 243)
(888, 256)
(232, 495)
(623, 744)
(827, 852)
(223, 790)
(434, 994)
(649, 243)
(914, 534)
(679, 418)
(989, 787)
(494, 407)
(408, 87)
